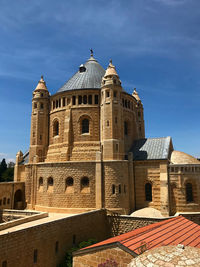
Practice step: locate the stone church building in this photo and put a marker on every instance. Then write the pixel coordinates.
(88, 151)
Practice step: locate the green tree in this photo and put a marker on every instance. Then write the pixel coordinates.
(3, 168)
(8, 175)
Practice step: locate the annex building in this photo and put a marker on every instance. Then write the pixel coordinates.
(88, 151)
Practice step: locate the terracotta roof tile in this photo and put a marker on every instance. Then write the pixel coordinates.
(174, 231)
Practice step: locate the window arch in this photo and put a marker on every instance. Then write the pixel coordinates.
(40, 183)
(148, 192)
(189, 192)
(55, 128)
(85, 185)
(69, 185)
(85, 126)
(50, 184)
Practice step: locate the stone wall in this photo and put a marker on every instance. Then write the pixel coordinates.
(95, 258)
(147, 171)
(59, 194)
(47, 243)
(116, 186)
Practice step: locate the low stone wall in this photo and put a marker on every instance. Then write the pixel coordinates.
(20, 217)
(120, 224)
(45, 245)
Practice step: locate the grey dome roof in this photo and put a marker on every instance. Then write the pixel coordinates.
(88, 76)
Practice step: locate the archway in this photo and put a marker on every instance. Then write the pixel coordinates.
(18, 200)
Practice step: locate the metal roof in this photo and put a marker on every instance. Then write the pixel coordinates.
(174, 231)
(151, 148)
(88, 76)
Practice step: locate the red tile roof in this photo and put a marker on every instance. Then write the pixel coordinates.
(174, 231)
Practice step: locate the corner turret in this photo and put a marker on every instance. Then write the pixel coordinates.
(111, 115)
(39, 122)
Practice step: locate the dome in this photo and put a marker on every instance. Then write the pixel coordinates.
(178, 157)
(88, 76)
(168, 256)
(147, 212)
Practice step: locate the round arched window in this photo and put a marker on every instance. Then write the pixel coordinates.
(85, 126)
(85, 185)
(55, 128)
(189, 192)
(69, 181)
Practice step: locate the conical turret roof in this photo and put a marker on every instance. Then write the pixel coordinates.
(88, 76)
(111, 70)
(135, 94)
(41, 85)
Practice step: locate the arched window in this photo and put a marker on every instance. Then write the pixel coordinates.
(69, 185)
(84, 99)
(85, 185)
(40, 183)
(80, 100)
(189, 192)
(50, 184)
(148, 192)
(125, 128)
(55, 128)
(85, 126)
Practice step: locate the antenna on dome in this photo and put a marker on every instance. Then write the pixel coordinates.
(91, 52)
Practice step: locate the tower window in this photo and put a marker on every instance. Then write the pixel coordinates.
(35, 256)
(189, 192)
(96, 99)
(139, 114)
(125, 128)
(4, 201)
(107, 93)
(113, 189)
(148, 192)
(80, 99)
(84, 99)
(117, 147)
(69, 185)
(85, 126)
(56, 247)
(56, 103)
(125, 103)
(115, 93)
(115, 119)
(41, 105)
(120, 189)
(55, 128)
(41, 94)
(69, 181)
(107, 123)
(90, 99)
(35, 105)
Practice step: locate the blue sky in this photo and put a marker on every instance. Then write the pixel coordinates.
(154, 45)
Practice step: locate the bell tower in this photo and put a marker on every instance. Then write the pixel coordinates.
(111, 115)
(39, 123)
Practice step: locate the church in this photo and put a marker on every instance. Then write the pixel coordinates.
(88, 151)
